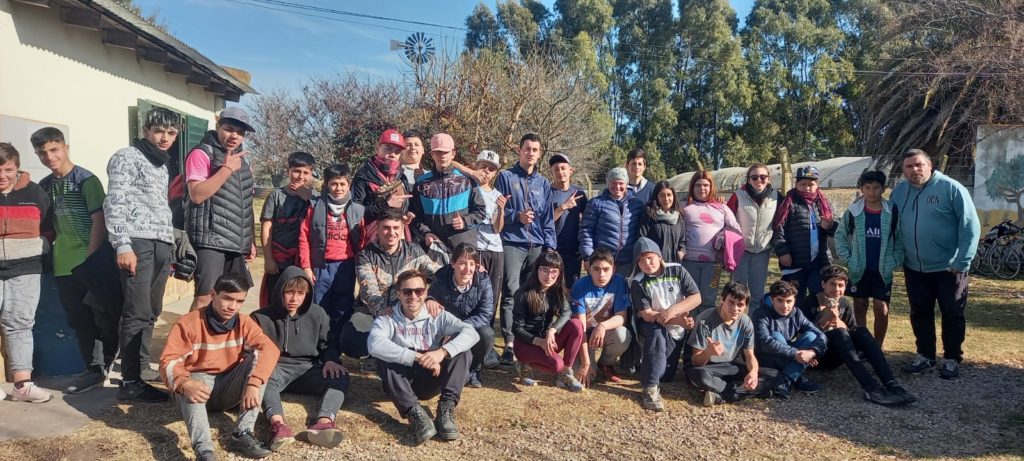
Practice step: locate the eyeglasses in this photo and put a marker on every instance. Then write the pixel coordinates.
(758, 177)
(548, 270)
(407, 292)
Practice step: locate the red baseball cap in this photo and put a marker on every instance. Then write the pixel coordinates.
(393, 137)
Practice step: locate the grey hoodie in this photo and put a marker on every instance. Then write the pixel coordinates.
(396, 339)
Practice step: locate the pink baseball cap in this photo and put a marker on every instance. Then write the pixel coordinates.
(442, 142)
(392, 137)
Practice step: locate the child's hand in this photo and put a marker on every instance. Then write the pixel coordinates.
(251, 397)
(269, 266)
(786, 260)
(196, 391)
(127, 262)
(334, 370)
(715, 347)
(750, 381)
(310, 274)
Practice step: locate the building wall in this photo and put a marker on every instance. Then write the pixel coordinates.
(52, 73)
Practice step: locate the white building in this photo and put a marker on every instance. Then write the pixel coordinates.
(92, 68)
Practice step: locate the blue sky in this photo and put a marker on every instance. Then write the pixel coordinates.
(283, 49)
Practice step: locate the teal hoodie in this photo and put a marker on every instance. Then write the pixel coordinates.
(939, 224)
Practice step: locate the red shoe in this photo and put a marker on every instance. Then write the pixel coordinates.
(324, 435)
(609, 373)
(283, 436)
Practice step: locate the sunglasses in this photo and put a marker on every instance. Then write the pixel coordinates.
(409, 291)
(757, 177)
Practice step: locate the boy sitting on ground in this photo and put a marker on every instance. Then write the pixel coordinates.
(720, 351)
(847, 340)
(216, 359)
(787, 341)
(601, 301)
(309, 362)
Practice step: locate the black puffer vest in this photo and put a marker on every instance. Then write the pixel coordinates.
(223, 222)
(354, 213)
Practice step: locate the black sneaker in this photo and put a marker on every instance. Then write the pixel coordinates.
(895, 388)
(949, 369)
(806, 386)
(474, 380)
(883, 398)
(783, 389)
(491, 360)
(420, 425)
(444, 422)
(920, 365)
(206, 455)
(246, 445)
(85, 381)
(139, 391)
(508, 357)
(150, 375)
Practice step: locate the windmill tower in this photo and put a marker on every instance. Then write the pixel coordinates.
(417, 50)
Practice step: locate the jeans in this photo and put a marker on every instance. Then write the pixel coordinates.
(843, 346)
(335, 289)
(789, 367)
(752, 271)
(407, 385)
(307, 379)
(19, 298)
(482, 347)
(658, 348)
(726, 379)
(143, 302)
(950, 290)
(567, 342)
(518, 263)
(352, 342)
(808, 280)
(226, 391)
(704, 274)
(95, 329)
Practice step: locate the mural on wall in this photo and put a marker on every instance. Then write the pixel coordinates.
(999, 174)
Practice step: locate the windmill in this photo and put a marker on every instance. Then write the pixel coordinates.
(417, 50)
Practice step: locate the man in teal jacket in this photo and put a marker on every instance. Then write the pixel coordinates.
(940, 237)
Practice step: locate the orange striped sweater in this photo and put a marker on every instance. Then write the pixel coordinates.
(191, 347)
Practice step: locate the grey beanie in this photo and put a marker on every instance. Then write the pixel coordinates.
(645, 245)
(617, 174)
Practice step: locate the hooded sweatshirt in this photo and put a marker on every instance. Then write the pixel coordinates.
(939, 223)
(26, 218)
(396, 338)
(303, 337)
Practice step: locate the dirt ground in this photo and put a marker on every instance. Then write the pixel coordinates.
(981, 415)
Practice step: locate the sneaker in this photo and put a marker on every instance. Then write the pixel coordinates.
(367, 364)
(324, 435)
(949, 369)
(806, 386)
(895, 388)
(711, 398)
(206, 455)
(525, 374)
(609, 373)
(3, 395)
(783, 389)
(245, 444)
(652, 399)
(420, 425)
(31, 393)
(883, 398)
(920, 365)
(139, 391)
(491, 360)
(508, 357)
(474, 380)
(282, 436)
(444, 422)
(567, 381)
(85, 381)
(150, 375)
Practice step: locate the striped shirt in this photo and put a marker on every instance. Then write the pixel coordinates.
(660, 291)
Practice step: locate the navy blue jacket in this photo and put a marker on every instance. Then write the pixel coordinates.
(527, 191)
(767, 321)
(475, 307)
(613, 224)
(438, 196)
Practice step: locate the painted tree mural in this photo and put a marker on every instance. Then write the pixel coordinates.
(1007, 183)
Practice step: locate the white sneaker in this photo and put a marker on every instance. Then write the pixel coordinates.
(30, 393)
(3, 395)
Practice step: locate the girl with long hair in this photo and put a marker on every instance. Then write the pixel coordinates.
(706, 219)
(754, 206)
(663, 222)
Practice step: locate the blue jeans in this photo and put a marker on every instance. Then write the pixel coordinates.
(335, 289)
(658, 349)
(808, 280)
(788, 367)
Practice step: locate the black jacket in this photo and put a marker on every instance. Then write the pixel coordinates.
(526, 325)
(224, 221)
(793, 237)
(670, 237)
(303, 338)
(475, 307)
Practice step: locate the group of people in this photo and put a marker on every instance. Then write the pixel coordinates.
(438, 252)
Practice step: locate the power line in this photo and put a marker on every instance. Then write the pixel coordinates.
(321, 9)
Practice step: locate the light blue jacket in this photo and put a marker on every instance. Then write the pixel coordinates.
(939, 224)
(851, 247)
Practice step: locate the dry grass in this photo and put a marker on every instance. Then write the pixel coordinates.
(981, 415)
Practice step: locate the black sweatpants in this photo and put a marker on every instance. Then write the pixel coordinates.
(950, 290)
(95, 326)
(482, 347)
(407, 385)
(843, 346)
(726, 379)
(143, 302)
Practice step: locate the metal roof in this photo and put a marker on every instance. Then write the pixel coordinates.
(835, 173)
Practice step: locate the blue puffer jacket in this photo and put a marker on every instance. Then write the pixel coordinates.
(767, 321)
(612, 224)
(475, 307)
